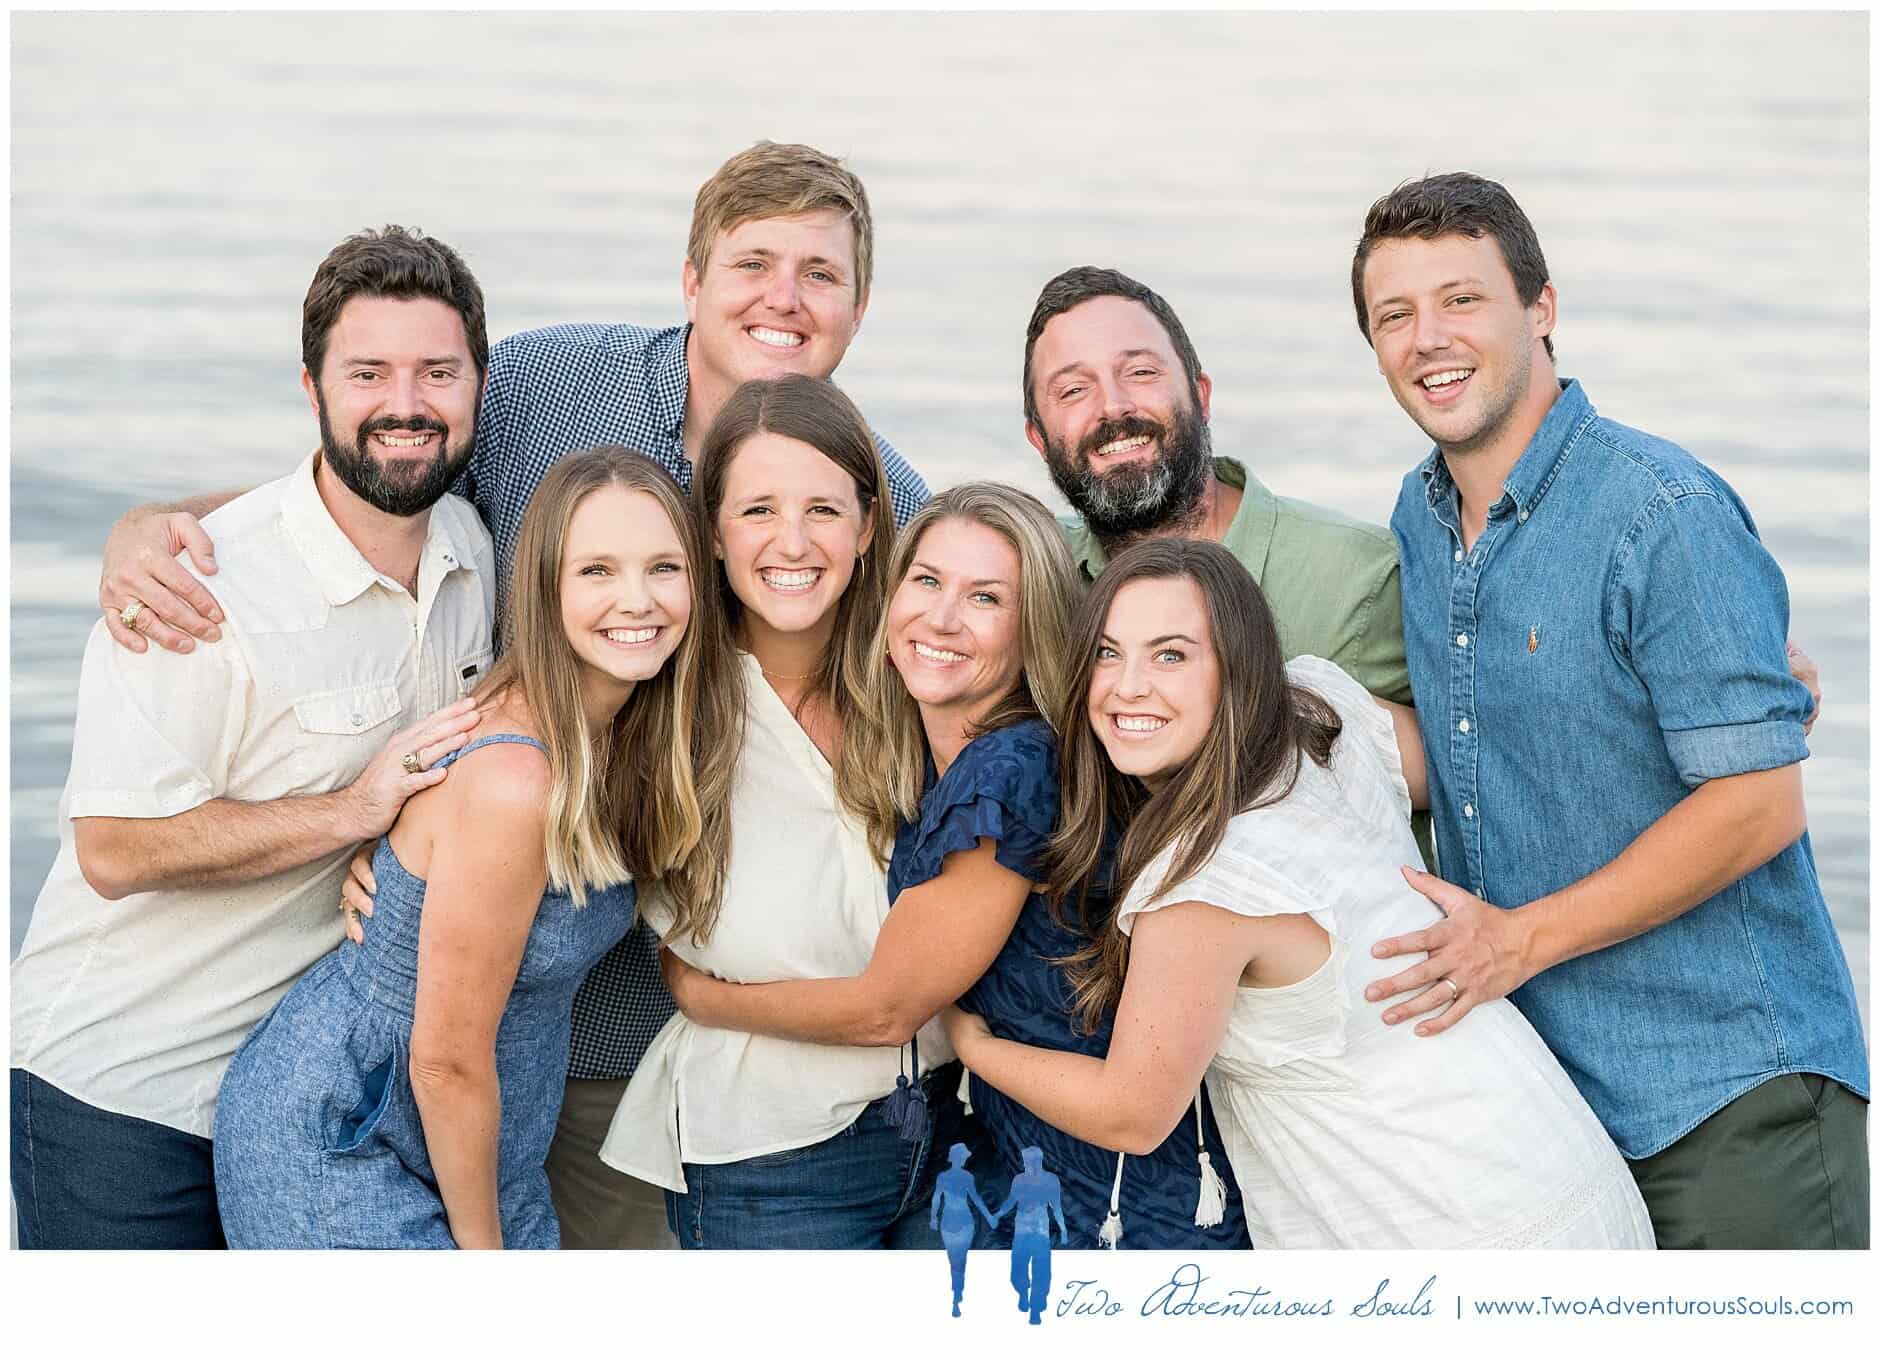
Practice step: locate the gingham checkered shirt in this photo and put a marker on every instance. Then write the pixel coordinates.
(555, 391)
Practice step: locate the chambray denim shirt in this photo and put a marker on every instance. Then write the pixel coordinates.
(1613, 639)
(550, 392)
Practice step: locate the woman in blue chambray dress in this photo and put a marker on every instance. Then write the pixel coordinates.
(404, 1092)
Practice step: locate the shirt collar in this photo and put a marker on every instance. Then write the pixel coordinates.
(1539, 463)
(671, 381)
(1249, 536)
(336, 565)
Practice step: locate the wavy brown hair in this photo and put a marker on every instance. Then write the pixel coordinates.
(626, 806)
(815, 412)
(1048, 589)
(1263, 728)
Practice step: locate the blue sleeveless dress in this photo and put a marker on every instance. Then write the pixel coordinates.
(1004, 786)
(317, 1137)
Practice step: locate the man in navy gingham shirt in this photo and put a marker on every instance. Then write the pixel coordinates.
(776, 279)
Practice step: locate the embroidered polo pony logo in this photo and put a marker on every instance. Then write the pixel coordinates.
(1534, 639)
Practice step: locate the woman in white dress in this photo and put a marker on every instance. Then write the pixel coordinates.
(1266, 806)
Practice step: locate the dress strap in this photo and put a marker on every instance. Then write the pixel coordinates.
(490, 741)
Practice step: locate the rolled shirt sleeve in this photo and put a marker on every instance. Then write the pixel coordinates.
(1701, 611)
(156, 731)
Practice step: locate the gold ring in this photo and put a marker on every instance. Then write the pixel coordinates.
(1454, 991)
(128, 614)
(410, 762)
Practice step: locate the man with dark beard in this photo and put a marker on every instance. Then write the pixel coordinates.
(215, 795)
(1117, 404)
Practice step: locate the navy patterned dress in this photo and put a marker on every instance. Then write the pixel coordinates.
(1004, 787)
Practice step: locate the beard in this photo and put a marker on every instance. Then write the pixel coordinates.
(1137, 497)
(403, 488)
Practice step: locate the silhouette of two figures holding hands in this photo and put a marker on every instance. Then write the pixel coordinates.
(1036, 1196)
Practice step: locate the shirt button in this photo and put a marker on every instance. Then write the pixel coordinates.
(1462, 639)
(1463, 726)
(359, 720)
(1468, 809)
(1522, 517)
(1458, 554)
(449, 561)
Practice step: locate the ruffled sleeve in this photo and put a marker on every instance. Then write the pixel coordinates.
(1004, 788)
(1371, 735)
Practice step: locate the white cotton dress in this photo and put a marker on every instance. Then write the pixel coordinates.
(1347, 1132)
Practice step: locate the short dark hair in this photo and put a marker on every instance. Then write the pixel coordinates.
(395, 262)
(1453, 204)
(1085, 282)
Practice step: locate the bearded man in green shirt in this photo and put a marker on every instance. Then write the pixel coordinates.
(1117, 405)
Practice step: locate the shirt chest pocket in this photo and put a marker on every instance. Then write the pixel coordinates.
(467, 672)
(339, 731)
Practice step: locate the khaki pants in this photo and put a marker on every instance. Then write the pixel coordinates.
(599, 1208)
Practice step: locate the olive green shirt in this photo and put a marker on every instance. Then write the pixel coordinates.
(1330, 580)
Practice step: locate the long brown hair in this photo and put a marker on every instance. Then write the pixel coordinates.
(628, 805)
(815, 412)
(1263, 727)
(1048, 589)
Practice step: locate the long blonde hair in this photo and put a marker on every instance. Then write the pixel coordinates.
(815, 412)
(626, 806)
(1264, 728)
(1049, 586)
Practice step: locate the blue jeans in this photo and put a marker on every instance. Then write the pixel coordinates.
(1031, 1271)
(86, 1178)
(863, 1187)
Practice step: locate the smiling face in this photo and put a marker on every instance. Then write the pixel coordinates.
(626, 595)
(790, 526)
(1156, 684)
(397, 401)
(953, 623)
(778, 295)
(1126, 442)
(1452, 338)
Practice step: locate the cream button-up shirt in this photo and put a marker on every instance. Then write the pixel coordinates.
(804, 898)
(136, 1006)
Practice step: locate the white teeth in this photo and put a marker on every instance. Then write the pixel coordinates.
(1116, 446)
(781, 339)
(1436, 380)
(396, 441)
(1135, 723)
(630, 636)
(927, 653)
(789, 580)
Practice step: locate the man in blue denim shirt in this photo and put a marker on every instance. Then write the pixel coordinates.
(1595, 636)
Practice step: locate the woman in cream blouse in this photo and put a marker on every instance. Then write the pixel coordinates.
(760, 1141)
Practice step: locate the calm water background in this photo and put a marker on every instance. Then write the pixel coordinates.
(1700, 183)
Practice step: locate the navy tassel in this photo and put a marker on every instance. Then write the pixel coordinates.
(907, 1106)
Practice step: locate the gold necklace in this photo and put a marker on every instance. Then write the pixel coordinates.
(774, 675)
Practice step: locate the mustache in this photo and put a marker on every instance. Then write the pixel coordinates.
(1128, 427)
(414, 424)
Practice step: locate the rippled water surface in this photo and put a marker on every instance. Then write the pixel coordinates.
(1699, 182)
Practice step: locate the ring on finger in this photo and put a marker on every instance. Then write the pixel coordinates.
(132, 610)
(1454, 991)
(410, 762)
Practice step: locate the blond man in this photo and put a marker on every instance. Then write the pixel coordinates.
(775, 280)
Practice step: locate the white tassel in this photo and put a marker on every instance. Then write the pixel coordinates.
(1111, 1232)
(1211, 1207)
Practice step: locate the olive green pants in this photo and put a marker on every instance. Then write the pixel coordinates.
(1781, 1167)
(599, 1208)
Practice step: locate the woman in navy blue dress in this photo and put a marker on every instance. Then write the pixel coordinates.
(974, 640)
(404, 1093)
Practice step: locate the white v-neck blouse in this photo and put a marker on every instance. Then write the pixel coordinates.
(804, 898)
